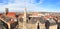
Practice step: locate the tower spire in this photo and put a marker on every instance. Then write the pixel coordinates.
(24, 21)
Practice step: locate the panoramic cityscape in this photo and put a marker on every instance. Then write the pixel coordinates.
(29, 20)
(29, 14)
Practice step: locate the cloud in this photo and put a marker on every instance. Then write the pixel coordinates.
(37, 1)
(19, 5)
(42, 1)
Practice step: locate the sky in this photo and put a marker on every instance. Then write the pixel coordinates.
(30, 5)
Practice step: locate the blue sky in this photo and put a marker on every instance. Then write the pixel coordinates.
(31, 5)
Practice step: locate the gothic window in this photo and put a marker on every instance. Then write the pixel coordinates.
(21, 20)
(33, 20)
(42, 20)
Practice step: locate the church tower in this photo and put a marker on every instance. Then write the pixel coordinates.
(6, 11)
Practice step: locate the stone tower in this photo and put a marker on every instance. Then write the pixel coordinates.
(6, 11)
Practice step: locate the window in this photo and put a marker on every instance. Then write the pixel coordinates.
(33, 20)
(42, 20)
(21, 20)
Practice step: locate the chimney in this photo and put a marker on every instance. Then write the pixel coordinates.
(6, 11)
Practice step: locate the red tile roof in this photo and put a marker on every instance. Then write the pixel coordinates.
(48, 16)
(11, 14)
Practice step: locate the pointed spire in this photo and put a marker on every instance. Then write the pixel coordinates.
(24, 21)
(25, 10)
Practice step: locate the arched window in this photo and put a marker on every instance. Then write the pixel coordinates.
(21, 20)
(33, 20)
(42, 20)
